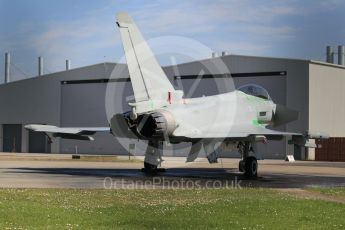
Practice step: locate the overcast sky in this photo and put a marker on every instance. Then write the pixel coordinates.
(85, 31)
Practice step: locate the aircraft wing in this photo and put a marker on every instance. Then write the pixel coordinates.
(237, 132)
(247, 131)
(271, 134)
(78, 133)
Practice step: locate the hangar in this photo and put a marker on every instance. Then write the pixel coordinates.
(76, 97)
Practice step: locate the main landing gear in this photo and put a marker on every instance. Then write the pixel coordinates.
(249, 164)
(153, 157)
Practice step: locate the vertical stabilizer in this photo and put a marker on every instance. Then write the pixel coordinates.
(148, 79)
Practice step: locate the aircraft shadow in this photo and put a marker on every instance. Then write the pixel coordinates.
(201, 175)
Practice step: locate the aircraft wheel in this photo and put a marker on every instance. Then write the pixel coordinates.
(241, 166)
(251, 167)
(150, 168)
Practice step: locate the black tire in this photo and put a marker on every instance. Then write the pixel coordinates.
(150, 168)
(241, 166)
(251, 167)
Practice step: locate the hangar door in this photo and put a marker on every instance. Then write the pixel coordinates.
(83, 105)
(38, 142)
(12, 137)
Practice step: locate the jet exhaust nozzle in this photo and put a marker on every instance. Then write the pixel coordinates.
(159, 124)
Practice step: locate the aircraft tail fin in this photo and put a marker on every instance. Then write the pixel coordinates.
(148, 79)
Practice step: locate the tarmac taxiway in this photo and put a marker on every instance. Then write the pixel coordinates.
(60, 171)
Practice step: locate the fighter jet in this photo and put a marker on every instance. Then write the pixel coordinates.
(234, 120)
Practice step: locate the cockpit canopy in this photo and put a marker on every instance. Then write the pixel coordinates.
(255, 90)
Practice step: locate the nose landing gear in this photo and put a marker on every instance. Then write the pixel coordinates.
(249, 164)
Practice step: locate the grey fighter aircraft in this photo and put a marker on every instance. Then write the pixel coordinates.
(236, 120)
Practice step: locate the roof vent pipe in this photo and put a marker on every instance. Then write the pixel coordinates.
(7, 67)
(341, 55)
(68, 64)
(330, 55)
(40, 66)
(214, 54)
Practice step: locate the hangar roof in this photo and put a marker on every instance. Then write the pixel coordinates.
(327, 64)
(106, 69)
